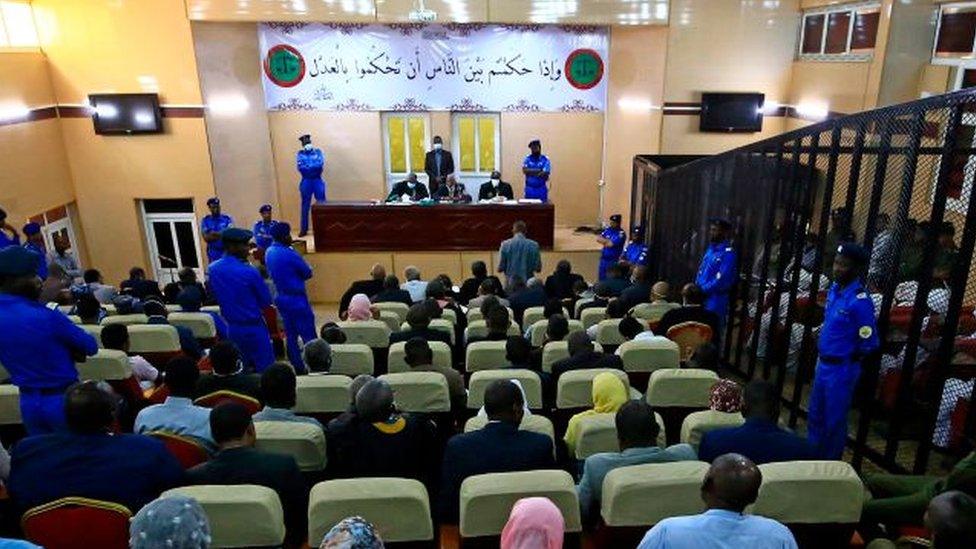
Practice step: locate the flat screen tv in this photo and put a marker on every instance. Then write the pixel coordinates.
(731, 112)
(126, 113)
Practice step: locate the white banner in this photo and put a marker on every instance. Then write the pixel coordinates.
(350, 67)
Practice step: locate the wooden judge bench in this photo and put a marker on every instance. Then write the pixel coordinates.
(367, 226)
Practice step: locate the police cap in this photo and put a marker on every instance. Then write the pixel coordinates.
(264, 208)
(18, 261)
(235, 235)
(853, 251)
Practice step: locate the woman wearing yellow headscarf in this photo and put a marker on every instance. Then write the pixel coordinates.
(609, 394)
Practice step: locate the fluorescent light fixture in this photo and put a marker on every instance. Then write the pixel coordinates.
(812, 109)
(770, 107)
(230, 104)
(12, 112)
(634, 104)
(107, 110)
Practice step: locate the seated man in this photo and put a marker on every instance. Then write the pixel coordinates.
(616, 280)
(187, 278)
(640, 291)
(601, 298)
(637, 432)
(392, 293)
(582, 356)
(706, 357)
(451, 191)
(635, 330)
(158, 314)
(116, 337)
(497, 323)
(89, 460)
(228, 373)
(278, 389)
(495, 189)
(93, 285)
(533, 294)
(616, 309)
(559, 285)
(414, 286)
(418, 318)
(691, 310)
(317, 356)
(138, 286)
(420, 359)
(479, 273)
(409, 190)
(190, 300)
(177, 414)
(499, 447)
(518, 353)
(731, 485)
(332, 334)
(488, 287)
(238, 462)
(760, 439)
(371, 286)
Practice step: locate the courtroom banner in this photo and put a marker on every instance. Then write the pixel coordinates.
(454, 67)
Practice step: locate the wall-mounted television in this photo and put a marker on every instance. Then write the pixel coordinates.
(731, 112)
(126, 113)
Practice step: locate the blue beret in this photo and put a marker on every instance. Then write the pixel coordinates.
(264, 208)
(213, 201)
(32, 228)
(18, 261)
(280, 229)
(305, 139)
(853, 251)
(234, 234)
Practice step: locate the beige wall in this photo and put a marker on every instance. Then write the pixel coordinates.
(34, 174)
(908, 49)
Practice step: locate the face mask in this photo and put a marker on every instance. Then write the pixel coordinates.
(495, 182)
(308, 147)
(437, 146)
(411, 184)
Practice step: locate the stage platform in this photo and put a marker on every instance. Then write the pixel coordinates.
(334, 271)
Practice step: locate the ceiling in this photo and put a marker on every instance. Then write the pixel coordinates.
(589, 12)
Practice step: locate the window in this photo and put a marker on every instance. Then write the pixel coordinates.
(405, 142)
(956, 33)
(17, 28)
(839, 33)
(476, 143)
(173, 238)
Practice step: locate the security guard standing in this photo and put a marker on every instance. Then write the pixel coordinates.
(38, 346)
(289, 272)
(849, 333)
(310, 162)
(243, 296)
(212, 226)
(35, 243)
(612, 239)
(537, 170)
(262, 229)
(716, 274)
(635, 253)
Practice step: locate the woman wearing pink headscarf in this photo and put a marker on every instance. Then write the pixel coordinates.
(360, 308)
(535, 523)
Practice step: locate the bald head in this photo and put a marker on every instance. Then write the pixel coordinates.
(732, 483)
(951, 516)
(374, 402)
(660, 290)
(377, 272)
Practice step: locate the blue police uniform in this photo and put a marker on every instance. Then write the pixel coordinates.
(243, 296)
(535, 185)
(849, 332)
(211, 224)
(635, 253)
(289, 272)
(6, 241)
(611, 254)
(310, 164)
(716, 275)
(262, 233)
(42, 258)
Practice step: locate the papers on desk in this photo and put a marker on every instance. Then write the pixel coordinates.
(509, 202)
(529, 201)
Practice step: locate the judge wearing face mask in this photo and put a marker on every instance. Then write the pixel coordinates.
(410, 190)
(452, 191)
(438, 165)
(496, 189)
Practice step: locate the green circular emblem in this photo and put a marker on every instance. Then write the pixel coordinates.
(584, 68)
(284, 66)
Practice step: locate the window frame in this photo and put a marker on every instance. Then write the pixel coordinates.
(5, 33)
(391, 176)
(947, 58)
(848, 55)
(456, 142)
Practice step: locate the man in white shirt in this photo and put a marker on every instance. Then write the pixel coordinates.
(414, 286)
(731, 484)
(178, 415)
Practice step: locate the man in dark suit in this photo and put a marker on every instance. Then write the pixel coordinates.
(583, 357)
(559, 285)
(418, 317)
(499, 447)
(438, 164)
(392, 293)
(469, 289)
(495, 188)
(760, 438)
(370, 287)
(640, 291)
(690, 311)
(228, 373)
(451, 191)
(238, 462)
(531, 294)
(411, 188)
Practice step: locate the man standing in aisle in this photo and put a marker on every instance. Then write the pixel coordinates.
(212, 226)
(716, 274)
(519, 256)
(849, 333)
(537, 169)
(310, 163)
(242, 296)
(38, 346)
(612, 239)
(438, 164)
(289, 272)
(262, 229)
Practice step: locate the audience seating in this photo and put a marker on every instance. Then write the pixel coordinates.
(537, 333)
(420, 392)
(534, 422)
(201, 324)
(579, 305)
(820, 501)
(213, 399)
(374, 333)
(478, 328)
(575, 387)
(449, 314)
(592, 316)
(698, 423)
(608, 333)
(322, 394)
(391, 319)
(107, 364)
(554, 351)
(474, 314)
(94, 330)
(399, 508)
(396, 361)
(534, 314)
(241, 515)
(487, 500)
(688, 336)
(399, 309)
(652, 312)
(598, 433)
(303, 441)
(78, 523)
(157, 343)
(648, 355)
(675, 393)
(10, 405)
(352, 359)
(75, 319)
(485, 355)
(480, 380)
(186, 450)
(443, 325)
(210, 309)
(128, 320)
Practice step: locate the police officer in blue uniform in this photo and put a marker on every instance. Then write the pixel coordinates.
(8, 234)
(289, 272)
(262, 229)
(716, 274)
(38, 346)
(849, 333)
(212, 226)
(242, 295)
(612, 239)
(537, 170)
(310, 162)
(635, 253)
(35, 243)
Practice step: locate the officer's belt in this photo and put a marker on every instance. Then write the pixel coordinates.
(833, 360)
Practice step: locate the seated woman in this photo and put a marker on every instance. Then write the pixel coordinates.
(609, 394)
(361, 309)
(534, 522)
